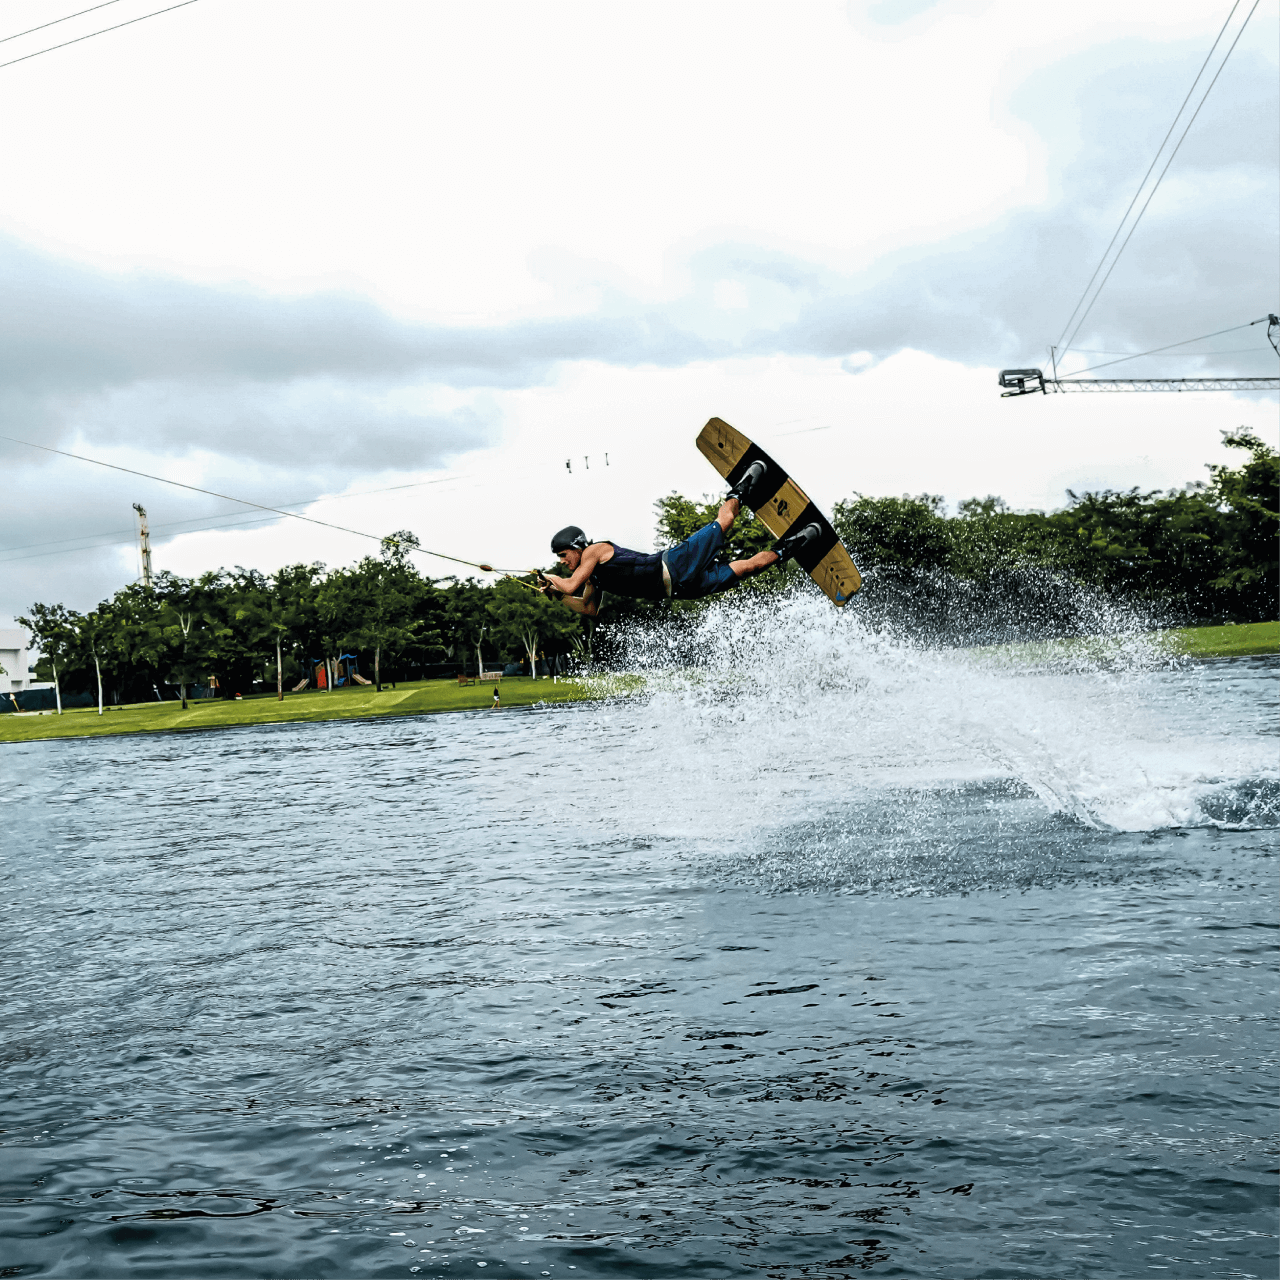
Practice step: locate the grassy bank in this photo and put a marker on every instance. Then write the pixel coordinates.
(1188, 642)
(420, 697)
(1251, 640)
(425, 697)
(1227, 642)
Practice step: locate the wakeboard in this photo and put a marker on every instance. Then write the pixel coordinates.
(782, 505)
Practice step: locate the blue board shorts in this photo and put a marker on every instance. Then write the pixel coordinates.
(690, 567)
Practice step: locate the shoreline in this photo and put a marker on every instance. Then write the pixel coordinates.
(1238, 640)
(312, 706)
(437, 697)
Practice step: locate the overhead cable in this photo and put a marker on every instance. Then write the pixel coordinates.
(1229, 351)
(103, 31)
(1083, 315)
(176, 528)
(1156, 350)
(1146, 175)
(54, 23)
(244, 502)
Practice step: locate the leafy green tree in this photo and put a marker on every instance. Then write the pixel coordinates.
(190, 613)
(372, 606)
(1203, 552)
(410, 612)
(901, 532)
(142, 641)
(55, 632)
(430, 641)
(295, 594)
(1248, 500)
(466, 619)
(679, 518)
(525, 619)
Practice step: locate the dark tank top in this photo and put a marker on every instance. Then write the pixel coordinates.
(631, 573)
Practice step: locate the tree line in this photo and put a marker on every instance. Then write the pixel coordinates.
(1204, 553)
(236, 631)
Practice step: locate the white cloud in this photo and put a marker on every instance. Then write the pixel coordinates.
(423, 151)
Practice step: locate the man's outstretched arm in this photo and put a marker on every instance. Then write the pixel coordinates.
(587, 604)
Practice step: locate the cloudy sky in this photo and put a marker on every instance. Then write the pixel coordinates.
(396, 263)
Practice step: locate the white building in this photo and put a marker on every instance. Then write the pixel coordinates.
(15, 660)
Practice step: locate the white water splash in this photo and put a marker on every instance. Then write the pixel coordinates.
(781, 709)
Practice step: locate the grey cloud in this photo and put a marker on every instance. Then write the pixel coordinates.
(358, 427)
(70, 328)
(260, 378)
(1202, 259)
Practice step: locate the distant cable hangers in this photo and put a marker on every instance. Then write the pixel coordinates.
(586, 463)
(226, 497)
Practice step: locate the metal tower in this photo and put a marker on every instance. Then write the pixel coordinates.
(144, 543)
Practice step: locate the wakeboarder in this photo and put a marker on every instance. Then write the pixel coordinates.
(687, 571)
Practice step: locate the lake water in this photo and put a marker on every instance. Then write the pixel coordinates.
(826, 957)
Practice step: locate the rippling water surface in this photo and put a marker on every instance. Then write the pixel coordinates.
(803, 964)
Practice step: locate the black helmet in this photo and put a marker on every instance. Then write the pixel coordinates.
(569, 536)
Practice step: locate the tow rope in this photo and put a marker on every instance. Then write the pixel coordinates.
(257, 506)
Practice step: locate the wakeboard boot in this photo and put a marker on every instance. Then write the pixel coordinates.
(794, 541)
(749, 484)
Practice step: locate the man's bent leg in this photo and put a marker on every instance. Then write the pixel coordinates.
(689, 559)
(710, 582)
(690, 564)
(724, 577)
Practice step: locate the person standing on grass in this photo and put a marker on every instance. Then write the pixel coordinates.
(497, 701)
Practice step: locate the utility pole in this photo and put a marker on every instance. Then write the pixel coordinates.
(144, 542)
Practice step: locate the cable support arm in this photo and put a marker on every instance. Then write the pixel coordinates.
(1026, 382)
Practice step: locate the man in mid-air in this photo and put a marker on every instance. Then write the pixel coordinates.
(686, 571)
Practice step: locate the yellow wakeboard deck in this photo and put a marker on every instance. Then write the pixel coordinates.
(825, 560)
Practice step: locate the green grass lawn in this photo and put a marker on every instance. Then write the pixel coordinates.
(1192, 642)
(1227, 642)
(414, 698)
